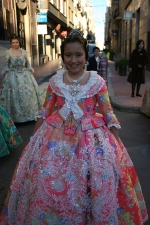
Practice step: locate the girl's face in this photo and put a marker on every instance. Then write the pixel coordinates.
(15, 43)
(74, 58)
(141, 45)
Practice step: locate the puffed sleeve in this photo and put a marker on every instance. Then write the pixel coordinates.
(49, 104)
(106, 108)
(7, 61)
(27, 64)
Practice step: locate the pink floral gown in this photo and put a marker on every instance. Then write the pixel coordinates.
(73, 171)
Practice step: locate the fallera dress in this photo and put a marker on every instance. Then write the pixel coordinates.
(9, 135)
(19, 95)
(73, 171)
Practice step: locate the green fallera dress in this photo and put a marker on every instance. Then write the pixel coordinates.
(9, 135)
(20, 95)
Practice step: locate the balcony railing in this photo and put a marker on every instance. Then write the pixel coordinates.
(117, 14)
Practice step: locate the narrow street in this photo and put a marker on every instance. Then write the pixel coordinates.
(134, 134)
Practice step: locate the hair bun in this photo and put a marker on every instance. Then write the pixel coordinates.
(76, 32)
(14, 36)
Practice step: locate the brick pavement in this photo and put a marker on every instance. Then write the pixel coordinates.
(120, 91)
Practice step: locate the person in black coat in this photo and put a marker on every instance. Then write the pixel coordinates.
(94, 61)
(137, 63)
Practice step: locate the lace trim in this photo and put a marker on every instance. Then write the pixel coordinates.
(40, 116)
(114, 125)
(94, 84)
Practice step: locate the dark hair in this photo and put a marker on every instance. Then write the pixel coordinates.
(73, 39)
(14, 36)
(95, 48)
(138, 43)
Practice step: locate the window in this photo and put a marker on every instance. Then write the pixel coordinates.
(55, 3)
(61, 6)
(64, 8)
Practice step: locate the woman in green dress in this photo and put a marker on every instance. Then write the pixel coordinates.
(19, 95)
(9, 135)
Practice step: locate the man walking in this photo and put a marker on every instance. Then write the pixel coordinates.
(94, 61)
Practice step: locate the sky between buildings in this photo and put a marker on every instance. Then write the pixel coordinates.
(99, 8)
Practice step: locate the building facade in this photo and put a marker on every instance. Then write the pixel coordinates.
(42, 25)
(19, 17)
(139, 26)
(129, 22)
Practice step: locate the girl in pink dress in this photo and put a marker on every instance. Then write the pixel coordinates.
(75, 169)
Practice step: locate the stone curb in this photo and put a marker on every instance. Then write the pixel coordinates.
(124, 108)
(115, 103)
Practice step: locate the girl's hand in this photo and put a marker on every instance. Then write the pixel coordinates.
(114, 131)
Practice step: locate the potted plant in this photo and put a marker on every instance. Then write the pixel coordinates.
(122, 65)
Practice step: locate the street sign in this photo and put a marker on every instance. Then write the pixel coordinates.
(115, 32)
(128, 15)
(42, 28)
(42, 17)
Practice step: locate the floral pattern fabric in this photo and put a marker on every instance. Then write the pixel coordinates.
(19, 95)
(74, 172)
(9, 135)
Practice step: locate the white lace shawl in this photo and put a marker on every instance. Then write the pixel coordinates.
(94, 84)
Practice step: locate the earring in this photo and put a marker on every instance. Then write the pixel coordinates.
(63, 65)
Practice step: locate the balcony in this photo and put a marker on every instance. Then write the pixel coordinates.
(79, 6)
(83, 12)
(117, 15)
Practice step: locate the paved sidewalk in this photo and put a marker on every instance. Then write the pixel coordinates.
(120, 91)
(46, 70)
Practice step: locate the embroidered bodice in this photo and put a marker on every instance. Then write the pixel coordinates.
(16, 62)
(79, 110)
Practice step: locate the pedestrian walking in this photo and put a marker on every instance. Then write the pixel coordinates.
(9, 135)
(94, 61)
(75, 169)
(19, 94)
(137, 63)
(103, 65)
